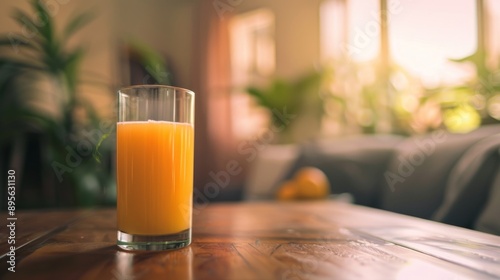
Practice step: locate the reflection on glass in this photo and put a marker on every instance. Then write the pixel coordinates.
(176, 264)
(124, 266)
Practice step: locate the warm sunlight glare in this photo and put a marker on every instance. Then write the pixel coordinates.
(423, 35)
(364, 29)
(427, 33)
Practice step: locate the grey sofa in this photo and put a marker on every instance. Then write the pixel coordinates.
(450, 178)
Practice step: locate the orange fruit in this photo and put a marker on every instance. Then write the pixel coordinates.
(311, 183)
(308, 183)
(287, 191)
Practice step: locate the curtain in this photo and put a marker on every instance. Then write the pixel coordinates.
(214, 141)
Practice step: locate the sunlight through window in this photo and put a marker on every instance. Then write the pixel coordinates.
(252, 61)
(427, 33)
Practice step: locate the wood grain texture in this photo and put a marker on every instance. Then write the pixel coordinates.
(30, 226)
(300, 240)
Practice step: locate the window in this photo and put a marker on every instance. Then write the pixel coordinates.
(424, 35)
(252, 62)
(405, 66)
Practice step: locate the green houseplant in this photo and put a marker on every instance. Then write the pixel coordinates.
(292, 103)
(50, 150)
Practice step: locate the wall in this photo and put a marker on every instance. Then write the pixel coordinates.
(166, 26)
(297, 33)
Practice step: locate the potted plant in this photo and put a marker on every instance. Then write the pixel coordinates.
(50, 150)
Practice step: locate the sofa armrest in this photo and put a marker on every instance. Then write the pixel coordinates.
(469, 183)
(488, 220)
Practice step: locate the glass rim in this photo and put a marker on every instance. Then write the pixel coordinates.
(155, 86)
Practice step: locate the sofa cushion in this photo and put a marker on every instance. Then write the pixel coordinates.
(415, 180)
(352, 165)
(469, 183)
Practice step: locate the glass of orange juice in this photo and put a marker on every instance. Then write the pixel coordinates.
(154, 163)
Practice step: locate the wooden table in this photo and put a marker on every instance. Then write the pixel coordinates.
(302, 240)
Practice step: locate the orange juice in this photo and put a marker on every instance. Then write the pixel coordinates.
(154, 177)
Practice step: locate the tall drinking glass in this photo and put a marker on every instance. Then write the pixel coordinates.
(155, 151)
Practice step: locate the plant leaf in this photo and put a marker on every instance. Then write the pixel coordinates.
(24, 20)
(76, 23)
(152, 61)
(96, 154)
(95, 121)
(22, 64)
(20, 117)
(46, 26)
(259, 96)
(15, 41)
(70, 68)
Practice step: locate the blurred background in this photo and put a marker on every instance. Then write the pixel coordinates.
(268, 75)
